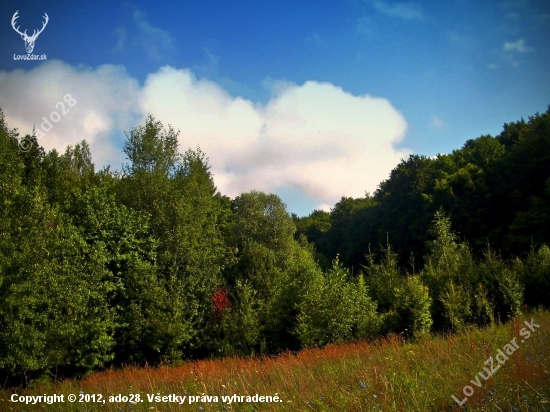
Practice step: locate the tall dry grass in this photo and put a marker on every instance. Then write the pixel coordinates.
(385, 375)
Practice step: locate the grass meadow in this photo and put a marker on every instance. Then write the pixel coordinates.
(384, 375)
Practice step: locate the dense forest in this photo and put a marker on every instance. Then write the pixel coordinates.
(152, 264)
(496, 191)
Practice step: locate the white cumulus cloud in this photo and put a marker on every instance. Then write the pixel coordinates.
(313, 137)
(104, 102)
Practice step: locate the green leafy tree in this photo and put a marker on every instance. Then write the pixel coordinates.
(53, 311)
(275, 265)
(449, 272)
(187, 219)
(410, 314)
(404, 302)
(336, 309)
(534, 273)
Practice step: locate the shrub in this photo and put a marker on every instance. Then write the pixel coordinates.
(535, 274)
(335, 309)
(411, 311)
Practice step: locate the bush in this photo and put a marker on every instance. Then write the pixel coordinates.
(457, 306)
(335, 309)
(411, 311)
(535, 275)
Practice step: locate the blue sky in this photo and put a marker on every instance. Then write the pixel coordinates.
(312, 100)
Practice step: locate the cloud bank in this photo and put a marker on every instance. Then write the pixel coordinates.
(314, 137)
(105, 102)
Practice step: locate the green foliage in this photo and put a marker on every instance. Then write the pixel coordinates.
(482, 308)
(367, 321)
(411, 311)
(404, 302)
(496, 189)
(467, 292)
(535, 275)
(450, 274)
(314, 227)
(383, 278)
(503, 286)
(151, 149)
(238, 330)
(263, 219)
(457, 306)
(447, 259)
(53, 310)
(336, 310)
(152, 264)
(178, 194)
(273, 263)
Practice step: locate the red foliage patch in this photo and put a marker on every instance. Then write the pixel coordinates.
(220, 302)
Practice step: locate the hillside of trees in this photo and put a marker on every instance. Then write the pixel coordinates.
(496, 191)
(152, 264)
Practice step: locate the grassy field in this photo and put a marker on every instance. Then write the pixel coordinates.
(386, 375)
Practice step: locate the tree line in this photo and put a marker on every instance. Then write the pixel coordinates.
(151, 264)
(496, 190)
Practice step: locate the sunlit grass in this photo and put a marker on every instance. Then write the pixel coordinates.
(387, 375)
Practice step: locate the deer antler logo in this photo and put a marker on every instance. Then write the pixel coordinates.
(29, 40)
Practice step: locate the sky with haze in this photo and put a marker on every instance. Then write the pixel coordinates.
(311, 100)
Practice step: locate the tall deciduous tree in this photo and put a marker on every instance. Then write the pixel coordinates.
(186, 219)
